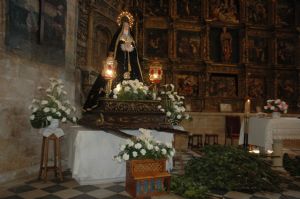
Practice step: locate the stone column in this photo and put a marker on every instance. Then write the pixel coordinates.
(297, 62)
(277, 154)
(2, 23)
(89, 52)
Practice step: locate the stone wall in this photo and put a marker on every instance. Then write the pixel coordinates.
(20, 144)
(207, 123)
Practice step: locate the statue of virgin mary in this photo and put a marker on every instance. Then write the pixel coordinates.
(125, 53)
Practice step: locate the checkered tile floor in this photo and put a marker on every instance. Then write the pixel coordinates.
(70, 189)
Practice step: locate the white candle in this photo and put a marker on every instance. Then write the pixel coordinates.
(247, 106)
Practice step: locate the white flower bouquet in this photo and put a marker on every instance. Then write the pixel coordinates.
(131, 90)
(276, 106)
(172, 105)
(144, 147)
(53, 105)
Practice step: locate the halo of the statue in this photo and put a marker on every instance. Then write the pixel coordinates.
(125, 15)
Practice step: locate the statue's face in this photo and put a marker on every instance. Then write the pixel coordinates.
(126, 28)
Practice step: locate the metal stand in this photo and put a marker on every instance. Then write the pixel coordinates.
(108, 87)
(246, 130)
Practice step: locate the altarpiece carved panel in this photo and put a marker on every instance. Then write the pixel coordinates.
(285, 51)
(226, 11)
(285, 12)
(188, 8)
(257, 12)
(156, 43)
(188, 45)
(258, 50)
(223, 85)
(157, 8)
(224, 45)
(286, 84)
(187, 84)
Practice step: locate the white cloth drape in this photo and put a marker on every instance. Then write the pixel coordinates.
(91, 155)
(262, 131)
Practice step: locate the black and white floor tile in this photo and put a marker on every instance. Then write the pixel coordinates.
(70, 189)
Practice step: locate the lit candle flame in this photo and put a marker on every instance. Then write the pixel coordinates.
(109, 73)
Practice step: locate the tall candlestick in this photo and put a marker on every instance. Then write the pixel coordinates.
(247, 106)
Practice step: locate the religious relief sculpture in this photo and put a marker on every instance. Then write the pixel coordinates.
(257, 12)
(285, 51)
(187, 85)
(125, 53)
(224, 10)
(287, 89)
(223, 85)
(188, 44)
(258, 50)
(188, 8)
(226, 45)
(256, 88)
(285, 13)
(157, 8)
(156, 43)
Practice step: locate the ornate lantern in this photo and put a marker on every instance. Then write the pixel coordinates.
(155, 75)
(155, 72)
(109, 71)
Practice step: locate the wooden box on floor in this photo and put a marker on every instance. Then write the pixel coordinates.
(145, 178)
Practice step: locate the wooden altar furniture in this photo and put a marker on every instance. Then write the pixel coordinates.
(195, 141)
(146, 178)
(211, 139)
(232, 128)
(44, 167)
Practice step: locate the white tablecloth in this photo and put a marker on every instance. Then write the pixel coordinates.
(263, 131)
(91, 155)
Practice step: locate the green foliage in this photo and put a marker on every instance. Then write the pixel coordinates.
(40, 120)
(186, 187)
(292, 165)
(230, 168)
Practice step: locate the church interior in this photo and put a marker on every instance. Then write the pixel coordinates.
(174, 99)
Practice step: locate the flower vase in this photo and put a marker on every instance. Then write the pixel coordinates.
(53, 128)
(53, 124)
(178, 127)
(276, 115)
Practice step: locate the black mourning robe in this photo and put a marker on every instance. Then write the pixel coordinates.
(98, 88)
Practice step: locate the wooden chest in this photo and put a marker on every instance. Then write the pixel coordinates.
(145, 178)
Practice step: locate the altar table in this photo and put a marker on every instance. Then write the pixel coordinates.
(91, 155)
(268, 133)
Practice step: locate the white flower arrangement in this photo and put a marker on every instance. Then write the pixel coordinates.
(144, 147)
(276, 106)
(53, 105)
(172, 105)
(131, 90)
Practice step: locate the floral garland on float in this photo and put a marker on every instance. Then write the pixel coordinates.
(171, 104)
(131, 90)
